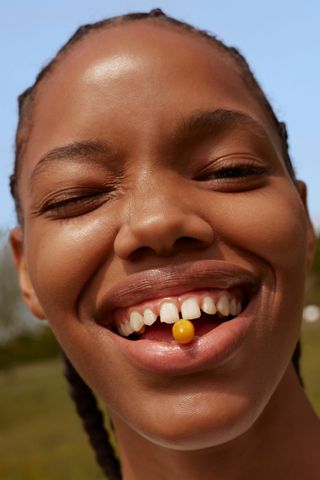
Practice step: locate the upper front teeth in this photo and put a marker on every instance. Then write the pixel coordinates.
(190, 308)
(169, 311)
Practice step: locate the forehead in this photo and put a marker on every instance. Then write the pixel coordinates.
(149, 73)
(158, 42)
(152, 52)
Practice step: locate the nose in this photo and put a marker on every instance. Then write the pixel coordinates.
(163, 219)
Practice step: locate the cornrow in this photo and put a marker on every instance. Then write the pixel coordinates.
(82, 395)
(92, 420)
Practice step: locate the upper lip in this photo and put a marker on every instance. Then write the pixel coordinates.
(174, 280)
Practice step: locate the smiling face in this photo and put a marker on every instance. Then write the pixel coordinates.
(152, 172)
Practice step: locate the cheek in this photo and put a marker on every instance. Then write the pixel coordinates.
(269, 223)
(63, 256)
(271, 229)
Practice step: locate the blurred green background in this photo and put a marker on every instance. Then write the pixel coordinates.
(40, 433)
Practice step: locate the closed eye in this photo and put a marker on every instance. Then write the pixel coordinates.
(234, 174)
(73, 204)
(56, 205)
(237, 172)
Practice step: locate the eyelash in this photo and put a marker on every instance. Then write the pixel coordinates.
(67, 201)
(58, 207)
(232, 172)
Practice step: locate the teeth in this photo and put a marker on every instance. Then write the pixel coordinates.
(190, 308)
(126, 328)
(149, 317)
(208, 306)
(121, 330)
(233, 307)
(223, 305)
(169, 312)
(136, 321)
(239, 308)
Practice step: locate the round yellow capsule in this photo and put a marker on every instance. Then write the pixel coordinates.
(183, 331)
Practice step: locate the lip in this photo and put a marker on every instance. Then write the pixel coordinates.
(173, 280)
(204, 352)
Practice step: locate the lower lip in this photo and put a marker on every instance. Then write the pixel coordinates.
(206, 351)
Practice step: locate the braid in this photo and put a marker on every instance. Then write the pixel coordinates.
(92, 420)
(296, 362)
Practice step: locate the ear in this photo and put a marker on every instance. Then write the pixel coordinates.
(29, 296)
(311, 237)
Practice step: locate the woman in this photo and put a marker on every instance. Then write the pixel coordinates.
(153, 180)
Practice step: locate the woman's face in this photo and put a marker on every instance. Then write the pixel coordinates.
(152, 172)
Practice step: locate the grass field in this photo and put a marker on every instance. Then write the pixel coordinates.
(310, 365)
(40, 435)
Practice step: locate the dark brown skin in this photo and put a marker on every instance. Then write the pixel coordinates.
(131, 86)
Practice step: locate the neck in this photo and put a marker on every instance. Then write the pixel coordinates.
(283, 443)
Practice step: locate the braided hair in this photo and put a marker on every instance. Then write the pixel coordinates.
(83, 397)
(92, 420)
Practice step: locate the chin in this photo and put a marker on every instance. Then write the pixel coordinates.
(191, 427)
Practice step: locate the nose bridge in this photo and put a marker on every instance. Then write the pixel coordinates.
(162, 217)
(159, 197)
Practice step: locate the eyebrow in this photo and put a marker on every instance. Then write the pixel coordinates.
(217, 121)
(85, 150)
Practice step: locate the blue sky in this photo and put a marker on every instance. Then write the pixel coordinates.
(280, 39)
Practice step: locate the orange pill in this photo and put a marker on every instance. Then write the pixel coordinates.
(183, 331)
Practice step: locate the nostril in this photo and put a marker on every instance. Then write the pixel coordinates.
(188, 243)
(182, 243)
(140, 253)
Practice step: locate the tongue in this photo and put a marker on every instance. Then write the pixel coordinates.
(162, 332)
